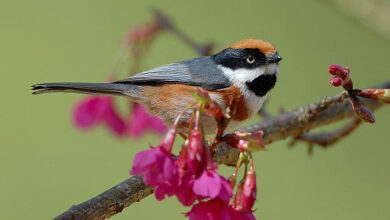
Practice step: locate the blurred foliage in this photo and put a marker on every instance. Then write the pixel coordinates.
(47, 165)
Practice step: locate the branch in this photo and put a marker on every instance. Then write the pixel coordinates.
(292, 123)
(166, 23)
(325, 139)
(373, 14)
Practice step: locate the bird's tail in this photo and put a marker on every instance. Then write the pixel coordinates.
(120, 89)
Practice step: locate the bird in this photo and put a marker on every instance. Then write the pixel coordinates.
(243, 74)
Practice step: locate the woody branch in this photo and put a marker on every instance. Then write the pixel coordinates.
(289, 124)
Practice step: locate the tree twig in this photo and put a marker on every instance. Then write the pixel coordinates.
(203, 50)
(277, 128)
(374, 14)
(325, 139)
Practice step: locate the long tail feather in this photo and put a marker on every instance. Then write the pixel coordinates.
(87, 88)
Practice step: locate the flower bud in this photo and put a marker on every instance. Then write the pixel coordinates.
(250, 189)
(337, 81)
(243, 145)
(249, 142)
(196, 150)
(346, 71)
(195, 153)
(335, 69)
(167, 142)
(238, 201)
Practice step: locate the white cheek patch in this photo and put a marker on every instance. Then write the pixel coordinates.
(240, 76)
(243, 75)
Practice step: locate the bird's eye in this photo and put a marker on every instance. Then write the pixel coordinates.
(250, 59)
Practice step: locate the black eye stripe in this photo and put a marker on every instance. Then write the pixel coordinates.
(237, 58)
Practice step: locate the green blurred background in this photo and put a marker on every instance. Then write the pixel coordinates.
(47, 165)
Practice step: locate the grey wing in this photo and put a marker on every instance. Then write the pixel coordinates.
(200, 71)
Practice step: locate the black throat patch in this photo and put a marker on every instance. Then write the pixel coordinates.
(262, 84)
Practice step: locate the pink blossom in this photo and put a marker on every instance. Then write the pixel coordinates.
(184, 192)
(141, 121)
(214, 209)
(158, 167)
(241, 215)
(98, 109)
(212, 185)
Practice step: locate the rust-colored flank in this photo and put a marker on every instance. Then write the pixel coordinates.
(264, 46)
(234, 98)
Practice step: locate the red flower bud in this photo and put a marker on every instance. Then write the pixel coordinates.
(337, 81)
(195, 153)
(346, 71)
(335, 69)
(250, 189)
(243, 145)
(167, 142)
(196, 150)
(238, 201)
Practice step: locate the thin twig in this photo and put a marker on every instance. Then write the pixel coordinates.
(325, 139)
(203, 50)
(277, 128)
(374, 14)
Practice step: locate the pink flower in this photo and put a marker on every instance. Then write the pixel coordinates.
(214, 209)
(141, 121)
(212, 185)
(98, 109)
(158, 167)
(335, 69)
(337, 81)
(240, 215)
(184, 192)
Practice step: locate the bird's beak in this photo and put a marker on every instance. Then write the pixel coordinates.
(274, 58)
